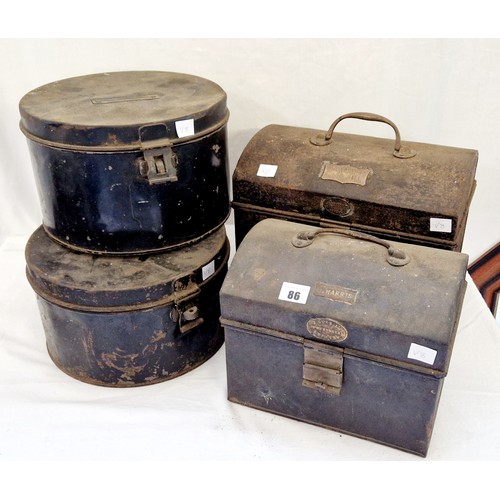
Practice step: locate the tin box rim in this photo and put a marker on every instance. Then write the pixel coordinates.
(87, 282)
(123, 110)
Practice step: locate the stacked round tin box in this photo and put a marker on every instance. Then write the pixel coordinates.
(132, 174)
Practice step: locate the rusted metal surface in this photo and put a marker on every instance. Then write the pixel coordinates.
(388, 329)
(129, 162)
(420, 195)
(129, 321)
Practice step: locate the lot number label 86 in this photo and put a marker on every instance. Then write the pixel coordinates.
(292, 292)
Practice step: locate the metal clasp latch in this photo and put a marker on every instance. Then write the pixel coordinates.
(159, 162)
(323, 365)
(185, 311)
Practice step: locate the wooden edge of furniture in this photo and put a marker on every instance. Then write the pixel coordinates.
(485, 272)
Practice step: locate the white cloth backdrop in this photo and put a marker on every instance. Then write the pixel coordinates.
(436, 90)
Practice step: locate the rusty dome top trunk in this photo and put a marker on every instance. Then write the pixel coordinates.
(407, 191)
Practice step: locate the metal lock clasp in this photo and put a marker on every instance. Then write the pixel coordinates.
(323, 367)
(185, 311)
(159, 162)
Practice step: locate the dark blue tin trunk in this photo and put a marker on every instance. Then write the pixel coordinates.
(342, 329)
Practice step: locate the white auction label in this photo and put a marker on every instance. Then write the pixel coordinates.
(440, 225)
(422, 353)
(291, 292)
(266, 170)
(184, 128)
(208, 270)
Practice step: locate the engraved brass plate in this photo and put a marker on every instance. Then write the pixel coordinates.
(336, 293)
(345, 174)
(327, 329)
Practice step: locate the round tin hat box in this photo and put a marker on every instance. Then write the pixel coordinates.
(132, 320)
(129, 162)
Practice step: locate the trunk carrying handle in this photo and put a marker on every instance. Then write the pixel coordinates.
(400, 151)
(395, 256)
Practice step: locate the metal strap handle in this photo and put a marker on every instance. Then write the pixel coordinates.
(395, 256)
(399, 150)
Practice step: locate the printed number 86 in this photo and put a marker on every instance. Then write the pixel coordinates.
(293, 295)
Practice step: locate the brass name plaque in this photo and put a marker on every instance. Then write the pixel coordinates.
(345, 174)
(336, 293)
(327, 329)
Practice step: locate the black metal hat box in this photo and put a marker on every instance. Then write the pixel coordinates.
(342, 329)
(129, 162)
(412, 192)
(132, 320)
